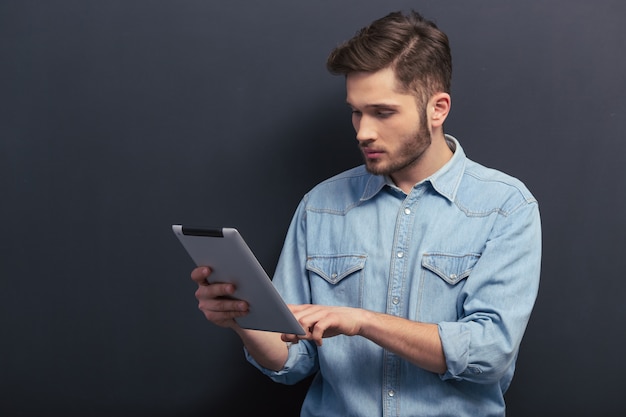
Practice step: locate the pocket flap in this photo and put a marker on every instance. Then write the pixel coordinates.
(334, 268)
(451, 268)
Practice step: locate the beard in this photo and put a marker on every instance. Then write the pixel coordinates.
(410, 151)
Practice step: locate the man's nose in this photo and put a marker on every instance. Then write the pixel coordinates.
(365, 130)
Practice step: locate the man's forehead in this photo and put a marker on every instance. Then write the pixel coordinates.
(369, 93)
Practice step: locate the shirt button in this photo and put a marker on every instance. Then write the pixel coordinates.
(333, 275)
(395, 300)
(407, 211)
(391, 393)
(400, 254)
(453, 276)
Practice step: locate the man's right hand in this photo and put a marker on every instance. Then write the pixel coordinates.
(215, 301)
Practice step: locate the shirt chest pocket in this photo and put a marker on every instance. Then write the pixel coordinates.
(441, 298)
(336, 279)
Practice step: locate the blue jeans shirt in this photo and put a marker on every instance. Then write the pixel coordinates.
(462, 250)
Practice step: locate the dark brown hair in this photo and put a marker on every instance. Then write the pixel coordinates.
(417, 51)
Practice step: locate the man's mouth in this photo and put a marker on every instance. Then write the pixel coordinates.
(372, 153)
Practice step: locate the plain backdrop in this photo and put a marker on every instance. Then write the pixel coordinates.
(119, 118)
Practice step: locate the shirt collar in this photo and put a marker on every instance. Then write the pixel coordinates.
(445, 181)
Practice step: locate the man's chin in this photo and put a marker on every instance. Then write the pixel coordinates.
(376, 168)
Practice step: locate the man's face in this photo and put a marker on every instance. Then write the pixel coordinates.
(391, 129)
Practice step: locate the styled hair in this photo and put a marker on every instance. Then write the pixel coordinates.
(417, 51)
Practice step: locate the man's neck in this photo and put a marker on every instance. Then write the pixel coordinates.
(436, 156)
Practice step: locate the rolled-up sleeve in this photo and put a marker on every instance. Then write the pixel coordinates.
(301, 362)
(498, 298)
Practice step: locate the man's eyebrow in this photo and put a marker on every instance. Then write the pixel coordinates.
(375, 105)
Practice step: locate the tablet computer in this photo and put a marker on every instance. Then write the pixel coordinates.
(231, 260)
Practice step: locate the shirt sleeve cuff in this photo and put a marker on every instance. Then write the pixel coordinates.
(455, 339)
(291, 360)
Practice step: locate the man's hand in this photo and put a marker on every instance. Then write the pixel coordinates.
(324, 321)
(214, 300)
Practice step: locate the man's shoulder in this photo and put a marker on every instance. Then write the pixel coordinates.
(341, 191)
(352, 176)
(493, 185)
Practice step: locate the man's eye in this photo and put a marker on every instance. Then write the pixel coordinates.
(384, 114)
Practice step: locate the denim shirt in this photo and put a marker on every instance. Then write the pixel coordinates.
(462, 250)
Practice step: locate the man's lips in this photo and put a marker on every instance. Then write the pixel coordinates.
(372, 153)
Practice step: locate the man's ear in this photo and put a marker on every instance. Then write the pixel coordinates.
(438, 109)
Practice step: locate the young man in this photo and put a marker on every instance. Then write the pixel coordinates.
(414, 274)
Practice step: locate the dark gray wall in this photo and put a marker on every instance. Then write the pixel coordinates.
(119, 118)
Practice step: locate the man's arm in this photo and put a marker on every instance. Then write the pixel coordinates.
(266, 348)
(417, 342)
